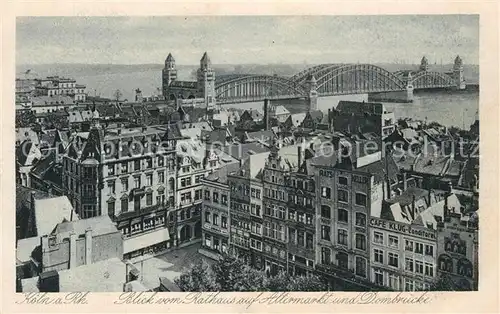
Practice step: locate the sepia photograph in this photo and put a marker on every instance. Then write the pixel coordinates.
(247, 153)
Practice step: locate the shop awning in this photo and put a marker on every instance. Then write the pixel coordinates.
(145, 240)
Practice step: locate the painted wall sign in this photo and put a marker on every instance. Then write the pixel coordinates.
(402, 228)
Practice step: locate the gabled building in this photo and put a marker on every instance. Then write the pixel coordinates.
(216, 212)
(362, 117)
(123, 174)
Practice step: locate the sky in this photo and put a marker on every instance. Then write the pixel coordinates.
(247, 39)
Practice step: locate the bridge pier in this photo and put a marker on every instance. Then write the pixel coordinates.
(404, 96)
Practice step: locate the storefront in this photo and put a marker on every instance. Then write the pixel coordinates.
(147, 244)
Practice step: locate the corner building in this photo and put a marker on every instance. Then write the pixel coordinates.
(348, 189)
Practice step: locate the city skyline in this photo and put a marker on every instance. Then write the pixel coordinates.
(267, 39)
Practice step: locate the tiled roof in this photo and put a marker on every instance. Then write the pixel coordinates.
(52, 100)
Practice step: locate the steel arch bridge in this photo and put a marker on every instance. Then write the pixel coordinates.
(236, 88)
(331, 79)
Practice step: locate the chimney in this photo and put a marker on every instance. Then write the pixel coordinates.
(299, 155)
(72, 250)
(32, 201)
(88, 246)
(405, 182)
(266, 114)
(429, 196)
(413, 206)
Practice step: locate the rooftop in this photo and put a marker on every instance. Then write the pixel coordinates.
(104, 276)
(51, 211)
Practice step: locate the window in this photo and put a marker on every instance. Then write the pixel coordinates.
(216, 197)
(223, 221)
(124, 205)
(343, 215)
(161, 177)
(429, 250)
(342, 236)
(342, 260)
(160, 161)
(208, 240)
(111, 169)
(360, 241)
(419, 248)
(309, 240)
(360, 219)
(393, 241)
(197, 194)
(137, 182)
(342, 196)
(360, 199)
(149, 199)
(125, 184)
(326, 257)
(378, 237)
(393, 259)
(137, 203)
(409, 285)
(409, 264)
(360, 266)
(207, 195)
(149, 162)
(429, 269)
(111, 208)
(325, 233)
(378, 256)
(379, 277)
(215, 219)
(291, 235)
(257, 194)
(326, 192)
(207, 217)
(394, 282)
(149, 179)
(419, 267)
(343, 180)
(124, 167)
(409, 245)
(325, 211)
(111, 186)
(137, 165)
(300, 238)
(309, 219)
(224, 199)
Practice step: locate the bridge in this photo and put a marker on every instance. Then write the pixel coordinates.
(335, 79)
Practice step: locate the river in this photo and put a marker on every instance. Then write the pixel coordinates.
(447, 108)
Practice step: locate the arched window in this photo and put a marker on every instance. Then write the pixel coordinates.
(171, 184)
(464, 267)
(325, 211)
(445, 263)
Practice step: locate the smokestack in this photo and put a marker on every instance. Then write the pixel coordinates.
(429, 196)
(88, 246)
(405, 183)
(266, 114)
(72, 250)
(413, 206)
(299, 155)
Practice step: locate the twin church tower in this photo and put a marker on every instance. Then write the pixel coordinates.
(202, 88)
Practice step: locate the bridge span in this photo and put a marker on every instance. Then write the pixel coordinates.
(317, 81)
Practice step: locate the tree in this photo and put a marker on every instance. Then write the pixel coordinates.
(117, 95)
(232, 274)
(197, 278)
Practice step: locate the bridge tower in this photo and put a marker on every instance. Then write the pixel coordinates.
(206, 81)
(169, 74)
(424, 64)
(458, 73)
(312, 97)
(409, 87)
